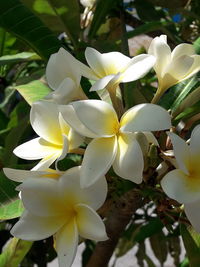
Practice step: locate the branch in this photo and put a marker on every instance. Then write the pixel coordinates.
(120, 215)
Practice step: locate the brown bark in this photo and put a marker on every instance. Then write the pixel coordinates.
(120, 215)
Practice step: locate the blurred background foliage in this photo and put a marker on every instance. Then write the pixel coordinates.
(30, 31)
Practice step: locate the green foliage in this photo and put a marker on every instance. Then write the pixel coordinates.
(20, 21)
(14, 252)
(33, 91)
(11, 210)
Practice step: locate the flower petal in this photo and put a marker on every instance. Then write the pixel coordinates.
(67, 243)
(151, 138)
(61, 65)
(66, 92)
(97, 160)
(31, 227)
(20, 175)
(45, 163)
(179, 186)
(36, 149)
(107, 63)
(69, 115)
(183, 49)
(138, 67)
(191, 211)
(98, 116)
(145, 117)
(41, 197)
(44, 120)
(194, 142)
(194, 68)
(129, 163)
(90, 224)
(160, 49)
(179, 67)
(181, 152)
(102, 83)
(69, 184)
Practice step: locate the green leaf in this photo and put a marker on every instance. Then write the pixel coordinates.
(14, 252)
(69, 13)
(20, 57)
(175, 95)
(159, 246)
(187, 113)
(197, 45)
(7, 190)
(11, 210)
(19, 20)
(33, 91)
(102, 10)
(192, 249)
(148, 27)
(189, 86)
(153, 226)
(190, 100)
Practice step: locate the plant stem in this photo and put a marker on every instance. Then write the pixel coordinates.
(118, 218)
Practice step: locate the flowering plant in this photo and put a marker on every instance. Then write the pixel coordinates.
(117, 139)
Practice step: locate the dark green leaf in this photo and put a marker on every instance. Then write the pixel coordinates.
(102, 10)
(159, 246)
(192, 249)
(153, 226)
(19, 20)
(69, 13)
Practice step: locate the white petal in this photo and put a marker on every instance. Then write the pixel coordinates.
(90, 224)
(193, 215)
(160, 49)
(194, 142)
(66, 244)
(145, 117)
(45, 163)
(70, 116)
(180, 66)
(102, 83)
(183, 49)
(69, 186)
(74, 139)
(129, 163)
(138, 67)
(107, 63)
(41, 197)
(20, 175)
(61, 65)
(179, 186)
(97, 160)
(66, 92)
(194, 68)
(98, 116)
(36, 149)
(181, 152)
(44, 120)
(31, 227)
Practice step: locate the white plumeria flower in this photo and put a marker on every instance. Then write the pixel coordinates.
(172, 66)
(20, 176)
(56, 136)
(114, 142)
(183, 183)
(61, 208)
(63, 76)
(111, 69)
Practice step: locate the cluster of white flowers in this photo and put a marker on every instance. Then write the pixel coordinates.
(64, 204)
